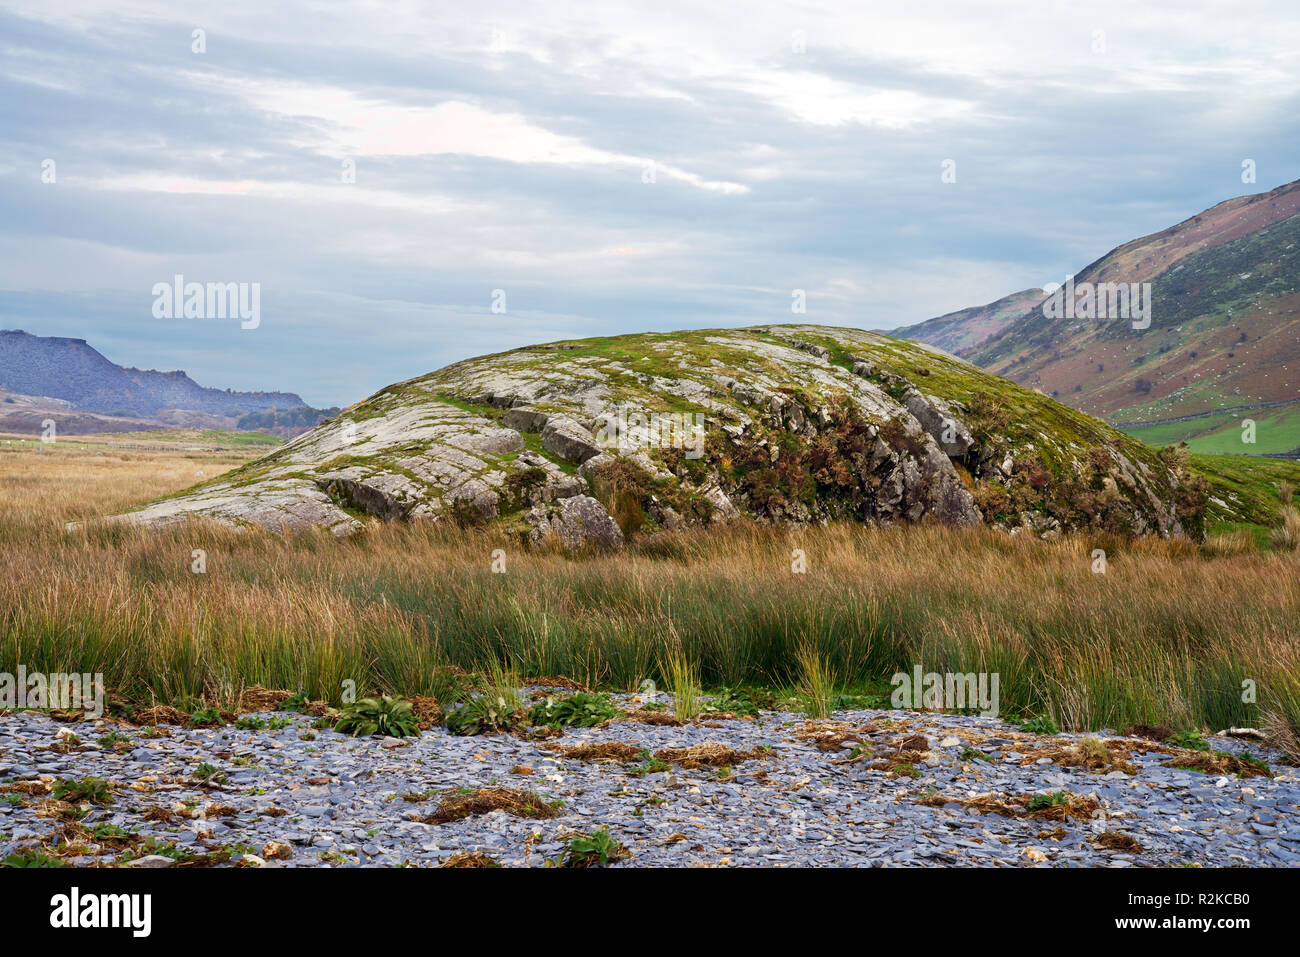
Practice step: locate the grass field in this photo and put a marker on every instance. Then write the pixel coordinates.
(1276, 430)
(1166, 635)
(218, 439)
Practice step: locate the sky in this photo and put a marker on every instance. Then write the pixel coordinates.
(410, 183)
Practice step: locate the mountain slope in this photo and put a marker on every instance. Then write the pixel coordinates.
(597, 439)
(71, 370)
(960, 331)
(1224, 331)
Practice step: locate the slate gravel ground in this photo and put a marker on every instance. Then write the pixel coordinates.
(335, 801)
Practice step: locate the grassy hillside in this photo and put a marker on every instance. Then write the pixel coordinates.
(1246, 489)
(1224, 332)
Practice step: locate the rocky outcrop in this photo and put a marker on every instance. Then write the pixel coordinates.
(940, 420)
(587, 442)
(575, 522)
(568, 439)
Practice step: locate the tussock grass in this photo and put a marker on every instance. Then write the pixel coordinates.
(1228, 544)
(1165, 637)
(683, 683)
(1286, 535)
(817, 683)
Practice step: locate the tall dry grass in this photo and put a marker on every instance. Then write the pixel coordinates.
(1166, 635)
(1286, 535)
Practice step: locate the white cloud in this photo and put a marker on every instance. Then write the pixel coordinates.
(349, 124)
(824, 101)
(816, 170)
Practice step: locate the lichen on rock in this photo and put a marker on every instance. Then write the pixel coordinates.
(773, 423)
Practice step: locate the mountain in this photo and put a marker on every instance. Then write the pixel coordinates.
(597, 440)
(959, 331)
(73, 377)
(1223, 341)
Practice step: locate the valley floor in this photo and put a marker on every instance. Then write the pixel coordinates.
(864, 788)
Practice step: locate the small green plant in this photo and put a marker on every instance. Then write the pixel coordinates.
(209, 772)
(103, 832)
(597, 849)
(498, 708)
(384, 715)
(973, 754)
(206, 718)
(1260, 763)
(1191, 740)
(152, 846)
(854, 702)
(295, 704)
(648, 765)
(1050, 799)
(90, 790)
(579, 710)
(744, 702)
(1043, 724)
(114, 740)
(251, 722)
(32, 857)
(486, 714)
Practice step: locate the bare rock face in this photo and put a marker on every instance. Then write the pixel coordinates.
(590, 441)
(568, 439)
(576, 522)
(940, 420)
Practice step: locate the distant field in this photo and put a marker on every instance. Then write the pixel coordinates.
(1276, 430)
(212, 438)
(1165, 635)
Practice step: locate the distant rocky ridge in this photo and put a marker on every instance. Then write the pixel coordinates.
(72, 372)
(589, 442)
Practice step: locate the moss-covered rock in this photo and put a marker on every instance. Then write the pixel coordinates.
(779, 423)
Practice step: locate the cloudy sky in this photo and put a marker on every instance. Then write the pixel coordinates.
(653, 165)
